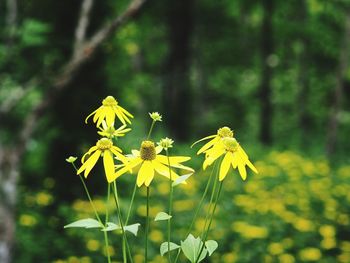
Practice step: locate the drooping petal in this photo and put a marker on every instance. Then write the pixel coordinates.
(126, 112)
(203, 139)
(146, 169)
(243, 154)
(92, 149)
(108, 164)
(225, 165)
(149, 177)
(241, 168)
(127, 168)
(164, 170)
(90, 163)
(119, 115)
(99, 111)
(212, 155)
(208, 145)
(86, 119)
(110, 116)
(121, 157)
(251, 166)
(173, 159)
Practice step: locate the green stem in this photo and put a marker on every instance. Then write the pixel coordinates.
(147, 225)
(125, 240)
(88, 195)
(106, 220)
(170, 205)
(211, 219)
(105, 234)
(198, 207)
(131, 204)
(150, 130)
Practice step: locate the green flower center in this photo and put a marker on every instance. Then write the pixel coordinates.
(109, 101)
(231, 144)
(104, 144)
(225, 132)
(148, 151)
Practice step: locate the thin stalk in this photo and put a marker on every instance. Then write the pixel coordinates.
(106, 220)
(131, 204)
(88, 195)
(198, 207)
(170, 205)
(211, 219)
(150, 130)
(125, 240)
(147, 225)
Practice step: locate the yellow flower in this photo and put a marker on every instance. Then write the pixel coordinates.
(148, 161)
(234, 156)
(111, 132)
(104, 147)
(108, 111)
(215, 139)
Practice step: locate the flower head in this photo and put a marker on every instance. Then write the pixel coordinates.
(215, 139)
(71, 159)
(223, 143)
(104, 147)
(109, 109)
(155, 116)
(111, 132)
(147, 162)
(166, 143)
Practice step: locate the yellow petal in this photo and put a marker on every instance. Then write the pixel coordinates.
(127, 168)
(92, 149)
(90, 116)
(173, 159)
(146, 170)
(108, 164)
(241, 168)
(99, 111)
(110, 116)
(119, 115)
(203, 139)
(150, 176)
(90, 163)
(242, 153)
(225, 165)
(251, 166)
(125, 112)
(164, 170)
(208, 145)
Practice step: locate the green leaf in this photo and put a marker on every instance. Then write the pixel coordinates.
(86, 223)
(162, 216)
(110, 227)
(191, 247)
(164, 247)
(181, 179)
(130, 228)
(211, 246)
(133, 228)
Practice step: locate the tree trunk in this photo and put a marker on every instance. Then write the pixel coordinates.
(11, 155)
(177, 88)
(333, 122)
(265, 87)
(303, 81)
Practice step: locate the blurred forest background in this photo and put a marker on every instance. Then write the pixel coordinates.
(276, 72)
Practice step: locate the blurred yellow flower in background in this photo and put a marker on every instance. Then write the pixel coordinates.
(108, 111)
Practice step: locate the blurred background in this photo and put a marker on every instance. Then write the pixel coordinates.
(276, 72)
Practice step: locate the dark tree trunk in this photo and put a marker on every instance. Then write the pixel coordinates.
(303, 81)
(265, 86)
(333, 122)
(177, 88)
